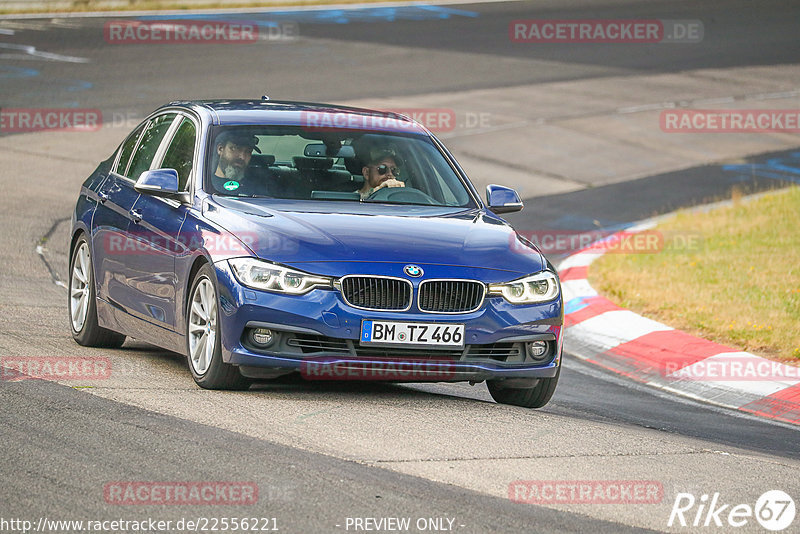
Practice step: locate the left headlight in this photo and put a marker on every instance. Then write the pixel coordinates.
(539, 287)
(259, 274)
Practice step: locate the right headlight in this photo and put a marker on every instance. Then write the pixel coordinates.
(539, 287)
(259, 274)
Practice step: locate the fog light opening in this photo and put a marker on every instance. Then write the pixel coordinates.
(537, 350)
(262, 337)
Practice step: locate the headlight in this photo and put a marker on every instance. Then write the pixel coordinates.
(539, 287)
(259, 274)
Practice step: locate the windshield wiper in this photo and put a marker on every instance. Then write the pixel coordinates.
(401, 203)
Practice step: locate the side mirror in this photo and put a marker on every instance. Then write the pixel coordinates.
(501, 199)
(160, 183)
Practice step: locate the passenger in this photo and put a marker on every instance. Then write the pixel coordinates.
(381, 169)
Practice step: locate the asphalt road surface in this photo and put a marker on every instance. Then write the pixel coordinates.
(323, 455)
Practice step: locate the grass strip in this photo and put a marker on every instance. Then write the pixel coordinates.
(731, 275)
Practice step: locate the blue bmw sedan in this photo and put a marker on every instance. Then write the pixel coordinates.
(265, 238)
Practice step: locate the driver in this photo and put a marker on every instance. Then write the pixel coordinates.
(381, 170)
(233, 176)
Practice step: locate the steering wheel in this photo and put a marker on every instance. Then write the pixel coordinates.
(402, 194)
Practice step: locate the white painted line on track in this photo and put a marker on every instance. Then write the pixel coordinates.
(27, 50)
(646, 107)
(53, 274)
(714, 101)
(773, 96)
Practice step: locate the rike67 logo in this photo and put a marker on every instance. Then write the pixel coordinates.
(774, 510)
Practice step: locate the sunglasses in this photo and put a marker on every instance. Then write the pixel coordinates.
(383, 169)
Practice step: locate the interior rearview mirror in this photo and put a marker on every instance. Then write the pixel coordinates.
(319, 150)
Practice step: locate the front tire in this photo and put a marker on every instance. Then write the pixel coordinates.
(82, 303)
(530, 397)
(203, 340)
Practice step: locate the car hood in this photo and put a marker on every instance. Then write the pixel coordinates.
(298, 232)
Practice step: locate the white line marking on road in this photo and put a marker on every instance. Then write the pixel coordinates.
(646, 107)
(53, 275)
(773, 96)
(32, 51)
(713, 101)
(708, 101)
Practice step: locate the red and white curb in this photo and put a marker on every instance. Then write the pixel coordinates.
(647, 351)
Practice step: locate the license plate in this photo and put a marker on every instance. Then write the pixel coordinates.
(396, 333)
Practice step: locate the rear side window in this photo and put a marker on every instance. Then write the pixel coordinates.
(151, 138)
(127, 150)
(180, 154)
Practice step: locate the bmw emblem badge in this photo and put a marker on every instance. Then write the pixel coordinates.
(413, 270)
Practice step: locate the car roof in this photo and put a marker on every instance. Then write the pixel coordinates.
(305, 114)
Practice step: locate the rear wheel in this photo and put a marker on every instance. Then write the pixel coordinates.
(527, 397)
(203, 339)
(82, 303)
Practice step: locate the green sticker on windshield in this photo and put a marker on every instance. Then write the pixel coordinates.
(231, 185)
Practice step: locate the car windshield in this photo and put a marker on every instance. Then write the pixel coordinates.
(345, 165)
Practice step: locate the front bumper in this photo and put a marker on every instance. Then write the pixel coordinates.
(317, 335)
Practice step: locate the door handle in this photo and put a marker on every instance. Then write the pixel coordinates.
(102, 196)
(136, 215)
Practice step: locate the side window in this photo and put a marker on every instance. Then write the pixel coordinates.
(127, 150)
(151, 138)
(180, 153)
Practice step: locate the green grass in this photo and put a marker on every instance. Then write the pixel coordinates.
(740, 287)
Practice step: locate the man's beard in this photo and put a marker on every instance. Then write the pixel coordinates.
(233, 173)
